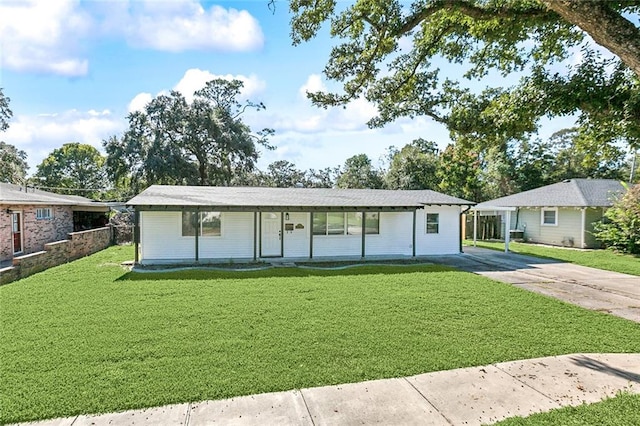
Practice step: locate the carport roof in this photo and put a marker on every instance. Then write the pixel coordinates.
(211, 196)
(568, 193)
(11, 194)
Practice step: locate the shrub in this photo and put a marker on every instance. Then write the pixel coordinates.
(621, 229)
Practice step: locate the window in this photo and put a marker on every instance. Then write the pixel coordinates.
(210, 224)
(333, 223)
(372, 223)
(354, 223)
(433, 223)
(43, 213)
(319, 224)
(549, 217)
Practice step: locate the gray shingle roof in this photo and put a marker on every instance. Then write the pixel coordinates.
(568, 193)
(161, 195)
(16, 194)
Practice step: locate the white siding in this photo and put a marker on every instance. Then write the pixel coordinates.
(447, 240)
(395, 238)
(236, 241)
(161, 238)
(337, 245)
(396, 235)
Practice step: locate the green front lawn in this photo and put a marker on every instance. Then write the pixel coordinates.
(623, 410)
(601, 259)
(90, 337)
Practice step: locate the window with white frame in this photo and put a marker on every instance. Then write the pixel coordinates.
(209, 225)
(549, 217)
(339, 223)
(433, 223)
(44, 213)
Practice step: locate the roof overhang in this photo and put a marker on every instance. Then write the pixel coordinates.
(493, 208)
(142, 207)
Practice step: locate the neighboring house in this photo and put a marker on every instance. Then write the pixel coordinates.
(31, 218)
(561, 214)
(176, 224)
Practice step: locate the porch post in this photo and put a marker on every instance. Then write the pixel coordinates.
(583, 220)
(197, 235)
(136, 235)
(475, 226)
(507, 234)
(311, 235)
(364, 230)
(255, 235)
(260, 234)
(413, 244)
(281, 234)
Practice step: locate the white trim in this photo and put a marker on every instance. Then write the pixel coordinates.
(583, 220)
(47, 216)
(21, 224)
(548, 209)
(426, 223)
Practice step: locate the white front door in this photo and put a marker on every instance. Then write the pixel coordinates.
(271, 233)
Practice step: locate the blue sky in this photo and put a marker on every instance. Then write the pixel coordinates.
(75, 69)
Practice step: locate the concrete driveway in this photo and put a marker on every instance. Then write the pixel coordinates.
(611, 292)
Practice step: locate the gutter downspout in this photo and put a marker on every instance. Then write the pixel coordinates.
(460, 233)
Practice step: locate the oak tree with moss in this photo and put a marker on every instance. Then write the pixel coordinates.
(389, 52)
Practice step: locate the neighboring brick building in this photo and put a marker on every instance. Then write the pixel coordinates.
(31, 218)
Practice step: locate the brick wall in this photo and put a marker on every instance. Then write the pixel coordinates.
(6, 245)
(35, 232)
(78, 244)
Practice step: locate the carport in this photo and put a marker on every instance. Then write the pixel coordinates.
(507, 221)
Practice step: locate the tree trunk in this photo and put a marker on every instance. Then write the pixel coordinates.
(606, 26)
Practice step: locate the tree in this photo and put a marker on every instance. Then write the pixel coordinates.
(621, 229)
(284, 174)
(500, 37)
(413, 167)
(5, 111)
(459, 172)
(577, 156)
(497, 173)
(323, 178)
(13, 164)
(358, 173)
(534, 164)
(75, 168)
(203, 142)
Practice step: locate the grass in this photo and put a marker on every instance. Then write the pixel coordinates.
(90, 337)
(623, 410)
(601, 259)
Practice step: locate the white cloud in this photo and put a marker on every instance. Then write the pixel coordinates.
(195, 79)
(41, 134)
(47, 36)
(139, 102)
(41, 36)
(185, 25)
(313, 84)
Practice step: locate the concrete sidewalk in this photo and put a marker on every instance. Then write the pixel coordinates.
(467, 396)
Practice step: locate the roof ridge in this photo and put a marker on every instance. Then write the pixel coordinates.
(580, 193)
